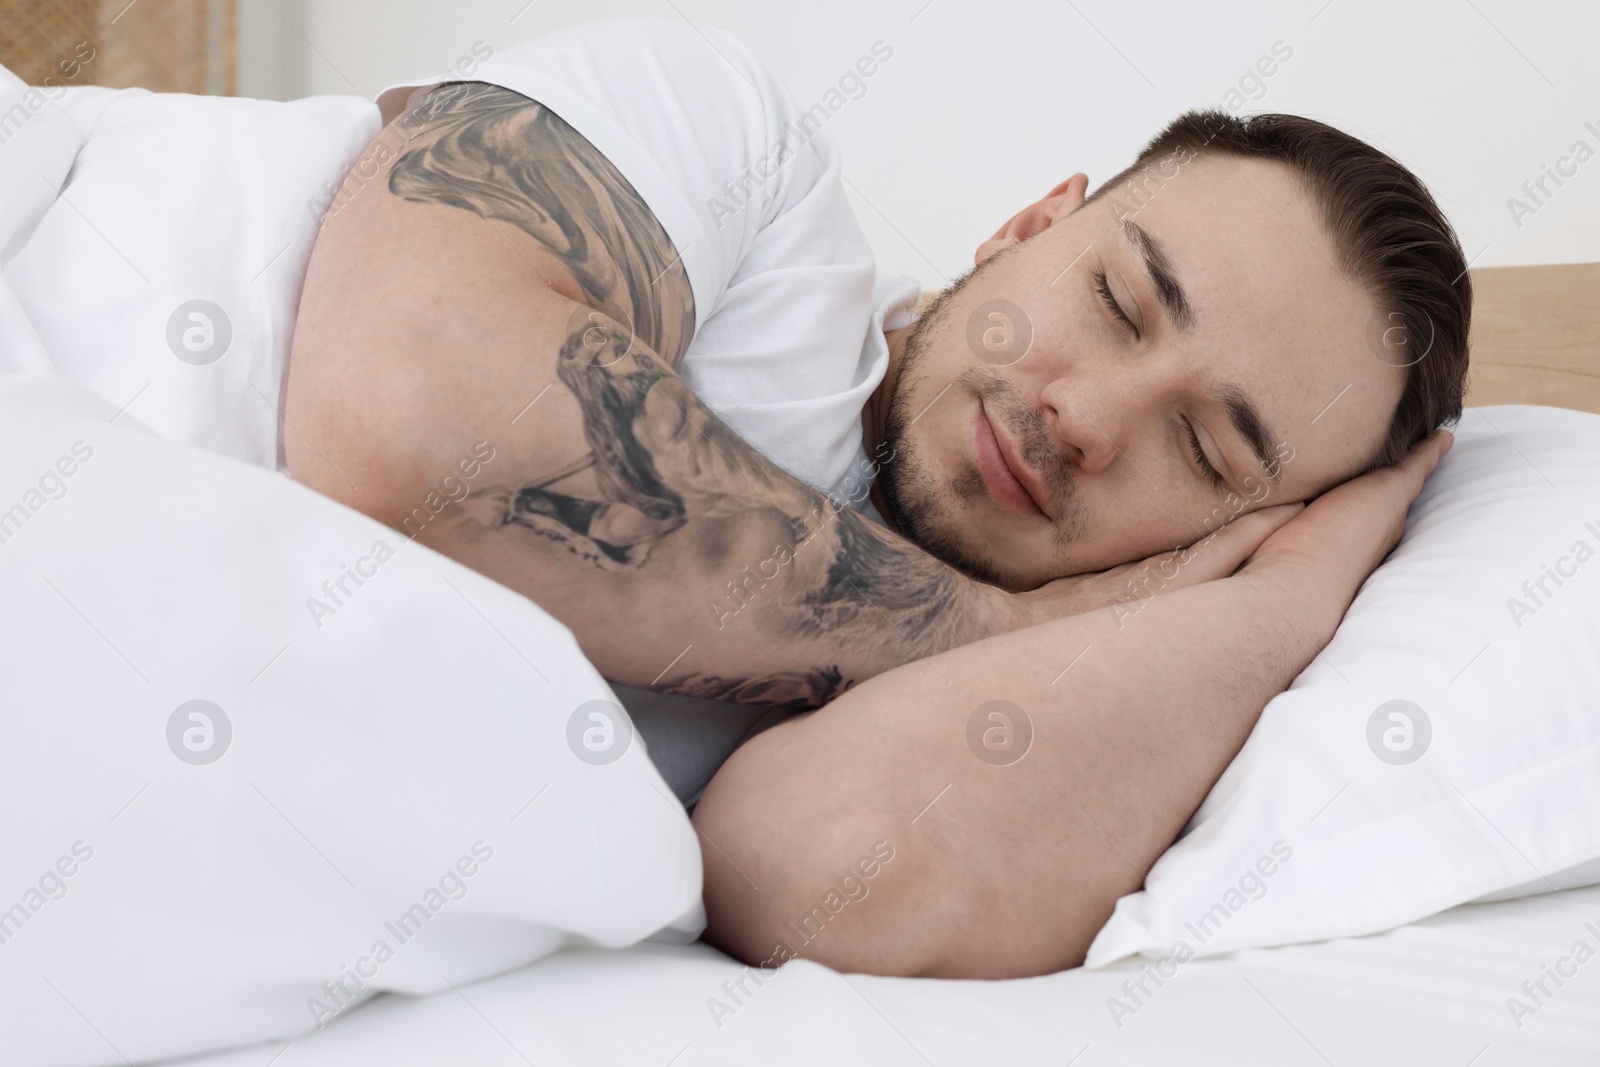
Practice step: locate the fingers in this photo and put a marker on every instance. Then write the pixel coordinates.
(1422, 459)
(1426, 453)
(1352, 515)
(1220, 554)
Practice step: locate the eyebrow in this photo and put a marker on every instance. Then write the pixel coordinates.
(1162, 278)
(1246, 419)
(1242, 411)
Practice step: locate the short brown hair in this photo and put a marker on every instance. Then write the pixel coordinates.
(1390, 236)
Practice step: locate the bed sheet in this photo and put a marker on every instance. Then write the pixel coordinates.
(1447, 990)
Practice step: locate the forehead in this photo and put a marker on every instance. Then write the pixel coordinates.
(1273, 312)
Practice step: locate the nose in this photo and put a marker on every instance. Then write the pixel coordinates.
(1086, 431)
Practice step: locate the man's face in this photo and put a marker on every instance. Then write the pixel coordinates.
(1044, 436)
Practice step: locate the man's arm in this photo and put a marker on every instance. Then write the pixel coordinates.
(500, 289)
(1001, 869)
(488, 284)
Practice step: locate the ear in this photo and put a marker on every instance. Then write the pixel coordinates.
(1063, 200)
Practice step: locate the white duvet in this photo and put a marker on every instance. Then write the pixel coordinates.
(265, 758)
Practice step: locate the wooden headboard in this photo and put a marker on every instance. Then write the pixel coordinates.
(1536, 336)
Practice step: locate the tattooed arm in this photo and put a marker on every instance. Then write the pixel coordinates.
(495, 287)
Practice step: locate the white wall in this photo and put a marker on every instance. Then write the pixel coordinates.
(986, 104)
(271, 54)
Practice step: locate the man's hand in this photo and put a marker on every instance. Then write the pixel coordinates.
(1217, 555)
(1339, 541)
(1320, 559)
(1346, 533)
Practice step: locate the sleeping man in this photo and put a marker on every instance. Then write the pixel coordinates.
(1020, 574)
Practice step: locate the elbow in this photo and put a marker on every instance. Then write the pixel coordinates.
(811, 874)
(814, 848)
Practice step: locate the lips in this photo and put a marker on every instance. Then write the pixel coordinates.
(1010, 481)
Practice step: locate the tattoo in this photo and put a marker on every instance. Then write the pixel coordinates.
(783, 689)
(509, 158)
(664, 461)
(633, 409)
(873, 581)
(665, 465)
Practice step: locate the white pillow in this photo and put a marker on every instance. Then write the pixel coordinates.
(1339, 818)
(38, 142)
(175, 206)
(415, 740)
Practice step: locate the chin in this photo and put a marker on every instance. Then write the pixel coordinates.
(930, 519)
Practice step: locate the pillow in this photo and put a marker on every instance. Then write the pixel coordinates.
(264, 757)
(167, 274)
(1443, 748)
(38, 141)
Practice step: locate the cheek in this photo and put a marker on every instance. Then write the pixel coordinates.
(1132, 521)
(933, 437)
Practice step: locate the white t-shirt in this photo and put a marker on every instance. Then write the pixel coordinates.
(790, 307)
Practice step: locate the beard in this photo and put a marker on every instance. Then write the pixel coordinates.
(912, 493)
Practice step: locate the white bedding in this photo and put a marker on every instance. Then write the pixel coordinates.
(388, 789)
(257, 745)
(124, 210)
(215, 922)
(1432, 993)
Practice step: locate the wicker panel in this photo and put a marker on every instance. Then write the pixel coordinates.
(164, 45)
(36, 37)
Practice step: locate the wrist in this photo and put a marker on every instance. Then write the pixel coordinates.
(1311, 600)
(996, 611)
(984, 613)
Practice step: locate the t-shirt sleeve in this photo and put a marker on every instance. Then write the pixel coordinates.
(687, 115)
(747, 185)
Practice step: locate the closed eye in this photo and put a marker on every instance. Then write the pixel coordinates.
(1103, 287)
(1211, 473)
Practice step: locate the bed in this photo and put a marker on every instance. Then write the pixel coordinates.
(227, 899)
(1456, 988)
(1434, 992)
